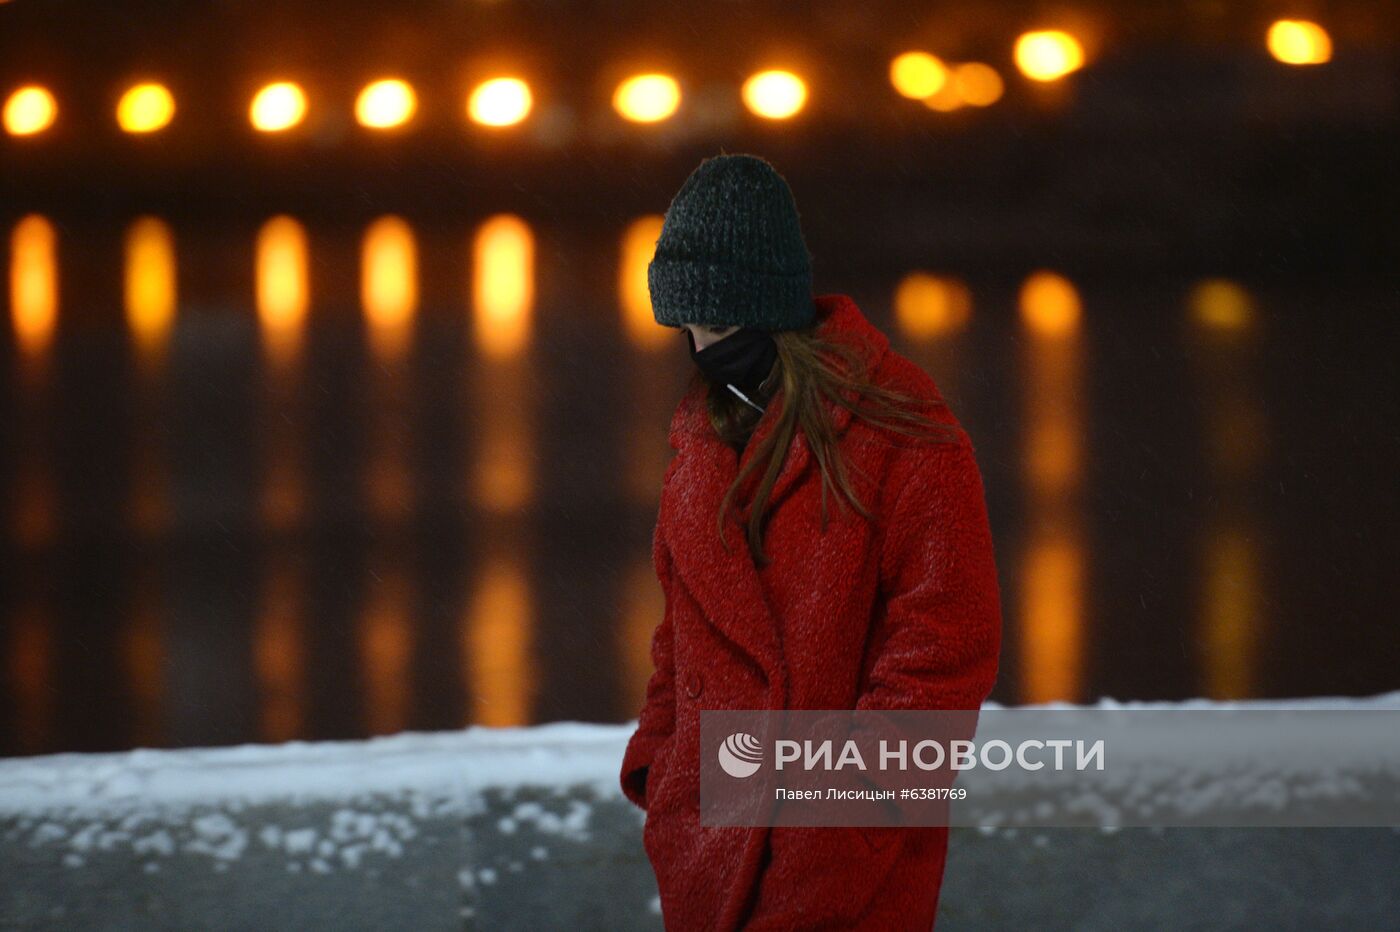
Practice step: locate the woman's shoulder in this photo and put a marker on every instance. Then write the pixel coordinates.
(896, 372)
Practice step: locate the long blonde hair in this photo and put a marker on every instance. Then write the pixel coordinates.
(805, 374)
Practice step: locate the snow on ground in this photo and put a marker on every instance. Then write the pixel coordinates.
(447, 763)
(451, 763)
(332, 806)
(320, 807)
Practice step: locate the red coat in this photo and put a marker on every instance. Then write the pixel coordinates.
(902, 612)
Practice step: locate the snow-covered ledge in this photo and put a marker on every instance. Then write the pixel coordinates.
(526, 828)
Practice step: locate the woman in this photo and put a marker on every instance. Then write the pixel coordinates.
(822, 543)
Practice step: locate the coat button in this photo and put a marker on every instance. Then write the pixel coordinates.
(694, 685)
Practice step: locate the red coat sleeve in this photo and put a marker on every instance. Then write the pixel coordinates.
(658, 716)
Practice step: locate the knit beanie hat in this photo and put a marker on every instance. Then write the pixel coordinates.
(731, 251)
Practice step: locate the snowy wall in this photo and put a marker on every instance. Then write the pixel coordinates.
(526, 828)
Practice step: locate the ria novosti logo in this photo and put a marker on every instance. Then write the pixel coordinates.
(740, 755)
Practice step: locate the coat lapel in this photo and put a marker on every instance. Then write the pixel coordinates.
(726, 583)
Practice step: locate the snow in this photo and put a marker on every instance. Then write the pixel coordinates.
(1390, 700)
(343, 806)
(320, 807)
(454, 763)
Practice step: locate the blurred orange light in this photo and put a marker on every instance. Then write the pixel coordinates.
(1047, 54)
(945, 99)
(389, 284)
(928, 306)
(149, 282)
(30, 109)
(916, 75)
(775, 94)
(977, 84)
(1050, 305)
(638, 248)
(1299, 42)
(34, 283)
(647, 98)
(385, 104)
(145, 108)
(1221, 306)
(278, 106)
(500, 102)
(281, 277)
(503, 292)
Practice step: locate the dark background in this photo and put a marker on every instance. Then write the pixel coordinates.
(206, 545)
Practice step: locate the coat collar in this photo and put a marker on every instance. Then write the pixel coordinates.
(838, 318)
(726, 583)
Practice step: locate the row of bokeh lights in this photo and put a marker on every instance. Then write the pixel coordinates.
(927, 305)
(775, 94)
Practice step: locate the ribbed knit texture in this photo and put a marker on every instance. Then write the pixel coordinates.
(731, 250)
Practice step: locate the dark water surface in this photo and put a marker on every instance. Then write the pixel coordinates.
(233, 530)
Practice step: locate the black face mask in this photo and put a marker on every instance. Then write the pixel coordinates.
(740, 361)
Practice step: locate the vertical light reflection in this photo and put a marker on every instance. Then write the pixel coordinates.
(502, 388)
(279, 646)
(650, 374)
(283, 301)
(650, 405)
(279, 635)
(282, 497)
(281, 278)
(1052, 613)
(149, 297)
(386, 646)
(29, 657)
(149, 288)
(497, 641)
(1230, 611)
(33, 498)
(145, 660)
(503, 286)
(34, 505)
(1052, 616)
(34, 494)
(389, 286)
(932, 312)
(1223, 331)
(34, 287)
(634, 296)
(389, 294)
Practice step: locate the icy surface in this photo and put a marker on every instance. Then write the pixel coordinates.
(343, 806)
(450, 764)
(443, 763)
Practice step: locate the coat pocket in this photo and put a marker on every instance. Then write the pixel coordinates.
(658, 769)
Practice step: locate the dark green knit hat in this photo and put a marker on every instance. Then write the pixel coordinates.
(731, 251)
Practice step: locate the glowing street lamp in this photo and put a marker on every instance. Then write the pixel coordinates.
(1048, 54)
(916, 75)
(775, 94)
(647, 98)
(385, 104)
(977, 84)
(500, 102)
(30, 109)
(1299, 42)
(145, 108)
(278, 106)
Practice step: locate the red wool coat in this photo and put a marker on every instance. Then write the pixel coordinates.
(902, 612)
